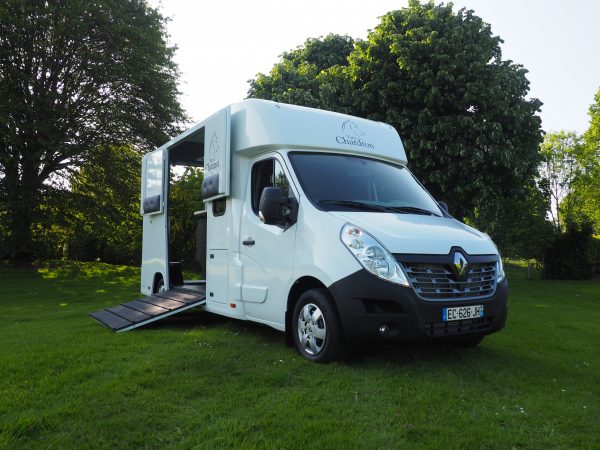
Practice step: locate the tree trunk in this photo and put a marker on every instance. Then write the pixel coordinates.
(22, 204)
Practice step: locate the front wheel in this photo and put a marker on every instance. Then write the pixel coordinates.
(316, 327)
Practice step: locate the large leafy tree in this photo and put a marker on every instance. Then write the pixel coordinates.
(307, 75)
(75, 76)
(572, 167)
(438, 76)
(101, 214)
(588, 184)
(562, 168)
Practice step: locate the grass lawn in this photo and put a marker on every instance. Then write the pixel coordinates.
(198, 380)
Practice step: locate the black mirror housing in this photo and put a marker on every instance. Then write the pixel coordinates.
(444, 206)
(270, 204)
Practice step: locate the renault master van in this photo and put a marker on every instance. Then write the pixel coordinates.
(314, 225)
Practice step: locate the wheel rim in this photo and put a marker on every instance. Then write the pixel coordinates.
(312, 330)
(161, 286)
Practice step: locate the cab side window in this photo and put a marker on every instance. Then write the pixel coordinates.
(280, 180)
(268, 173)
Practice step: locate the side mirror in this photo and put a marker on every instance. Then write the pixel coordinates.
(269, 207)
(444, 206)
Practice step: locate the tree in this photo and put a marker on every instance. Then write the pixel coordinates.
(592, 135)
(184, 200)
(561, 168)
(102, 213)
(520, 227)
(572, 166)
(305, 76)
(438, 77)
(588, 183)
(76, 76)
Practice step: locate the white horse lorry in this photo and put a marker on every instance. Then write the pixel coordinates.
(314, 225)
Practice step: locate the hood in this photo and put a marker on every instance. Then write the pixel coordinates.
(419, 234)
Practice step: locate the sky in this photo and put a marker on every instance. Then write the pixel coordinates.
(224, 43)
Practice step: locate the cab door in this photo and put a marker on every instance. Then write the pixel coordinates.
(155, 232)
(267, 251)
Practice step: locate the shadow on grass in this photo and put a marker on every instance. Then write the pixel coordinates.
(410, 352)
(441, 359)
(377, 354)
(200, 319)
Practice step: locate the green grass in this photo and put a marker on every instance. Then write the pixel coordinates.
(198, 380)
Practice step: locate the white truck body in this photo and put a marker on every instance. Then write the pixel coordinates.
(257, 271)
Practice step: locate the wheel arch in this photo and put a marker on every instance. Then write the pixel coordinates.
(300, 286)
(157, 277)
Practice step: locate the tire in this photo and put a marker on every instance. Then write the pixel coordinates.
(159, 286)
(316, 327)
(468, 341)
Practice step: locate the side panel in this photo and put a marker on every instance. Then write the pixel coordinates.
(216, 279)
(153, 207)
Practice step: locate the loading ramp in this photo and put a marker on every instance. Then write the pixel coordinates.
(143, 311)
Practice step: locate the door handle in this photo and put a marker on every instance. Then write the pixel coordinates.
(249, 242)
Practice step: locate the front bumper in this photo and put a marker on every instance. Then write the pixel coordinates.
(366, 302)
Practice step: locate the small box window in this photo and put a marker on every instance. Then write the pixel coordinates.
(218, 207)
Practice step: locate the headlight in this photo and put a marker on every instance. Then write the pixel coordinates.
(499, 269)
(372, 255)
(499, 265)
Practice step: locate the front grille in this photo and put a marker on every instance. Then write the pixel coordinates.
(437, 282)
(458, 326)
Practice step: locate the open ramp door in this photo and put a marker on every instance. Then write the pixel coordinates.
(143, 311)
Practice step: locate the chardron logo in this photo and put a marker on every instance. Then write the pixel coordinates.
(353, 135)
(213, 153)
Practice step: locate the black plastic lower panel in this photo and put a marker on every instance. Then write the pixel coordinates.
(366, 303)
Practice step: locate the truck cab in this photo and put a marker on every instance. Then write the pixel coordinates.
(315, 226)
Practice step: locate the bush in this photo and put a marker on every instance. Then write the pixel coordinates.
(569, 255)
(595, 249)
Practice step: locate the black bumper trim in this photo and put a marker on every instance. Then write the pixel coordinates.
(366, 302)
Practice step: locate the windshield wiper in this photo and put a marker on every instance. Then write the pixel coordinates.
(412, 210)
(355, 204)
(380, 208)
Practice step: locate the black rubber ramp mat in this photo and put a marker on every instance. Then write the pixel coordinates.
(149, 309)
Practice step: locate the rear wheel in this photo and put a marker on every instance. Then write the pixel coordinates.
(159, 286)
(316, 327)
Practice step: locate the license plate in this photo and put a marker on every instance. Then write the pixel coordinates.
(462, 313)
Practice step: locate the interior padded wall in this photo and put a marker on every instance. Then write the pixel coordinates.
(175, 274)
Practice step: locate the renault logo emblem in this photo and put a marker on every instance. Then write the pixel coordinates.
(460, 265)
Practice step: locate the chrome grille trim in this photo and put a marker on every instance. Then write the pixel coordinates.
(437, 282)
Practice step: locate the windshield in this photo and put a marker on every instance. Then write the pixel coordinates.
(342, 183)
